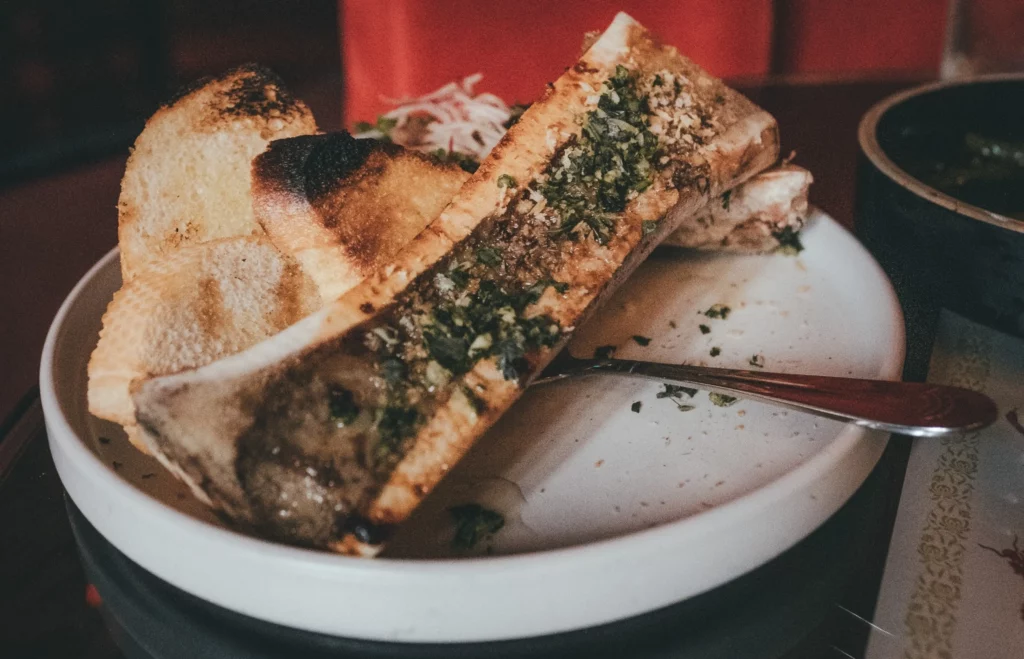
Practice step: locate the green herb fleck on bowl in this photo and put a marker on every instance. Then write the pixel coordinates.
(718, 311)
(473, 523)
(789, 241)
(675, 393)
(721, 400)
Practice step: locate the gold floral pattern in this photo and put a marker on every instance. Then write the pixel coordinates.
(931, 614)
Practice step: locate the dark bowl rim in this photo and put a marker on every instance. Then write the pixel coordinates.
(867, 135)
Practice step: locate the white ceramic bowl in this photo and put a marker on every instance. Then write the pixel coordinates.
(611, 513)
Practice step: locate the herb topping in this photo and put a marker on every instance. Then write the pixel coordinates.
(473, 523)
(789, 241)
(597, 173)
(721, 400)
(718, 311)
(675, 393)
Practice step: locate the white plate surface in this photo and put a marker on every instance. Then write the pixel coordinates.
(610, 512)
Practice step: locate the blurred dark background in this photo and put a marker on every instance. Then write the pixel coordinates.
(79, 78)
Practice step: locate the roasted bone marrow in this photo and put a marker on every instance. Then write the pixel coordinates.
(337, 441)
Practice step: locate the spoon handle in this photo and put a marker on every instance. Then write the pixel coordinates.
(907, 408)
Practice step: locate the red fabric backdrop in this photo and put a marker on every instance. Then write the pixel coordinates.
(397, 48)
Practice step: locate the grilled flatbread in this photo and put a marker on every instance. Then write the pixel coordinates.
(199, 303)
(187, 180)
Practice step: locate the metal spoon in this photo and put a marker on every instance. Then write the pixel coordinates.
(907, 408)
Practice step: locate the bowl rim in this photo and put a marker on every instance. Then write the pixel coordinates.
(867, 136)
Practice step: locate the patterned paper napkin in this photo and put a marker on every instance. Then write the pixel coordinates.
(954, 578)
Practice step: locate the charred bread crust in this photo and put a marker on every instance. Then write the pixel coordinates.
(344, 206)
(315, 166)
(248, 94)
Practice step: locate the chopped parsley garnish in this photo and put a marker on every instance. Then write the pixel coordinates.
(704, 329)
(342, 405)
(459, 277)
(392, 370)
(676, 392)
(506, 181)
(534, 293)
(721, 400)
(636, 406)
(604, 352)
(718, 311)
(451, 352)
(394, 424)
(478, 403)
(473, 523)
(466, 162)
(789, 241)
(384, 125)
(648, 227)
(468, 318)
(716, 351)
(489, 256)
(757, 360)
(595, 175)
(641, 340)
(516, 111)
(726, 197)
(459, 333)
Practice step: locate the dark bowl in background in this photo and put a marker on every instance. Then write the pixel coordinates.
(942, 252)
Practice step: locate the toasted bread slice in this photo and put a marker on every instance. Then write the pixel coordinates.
(345, 207)
(333, 430)
(187, 180)
(753, 216)
(198, 304)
